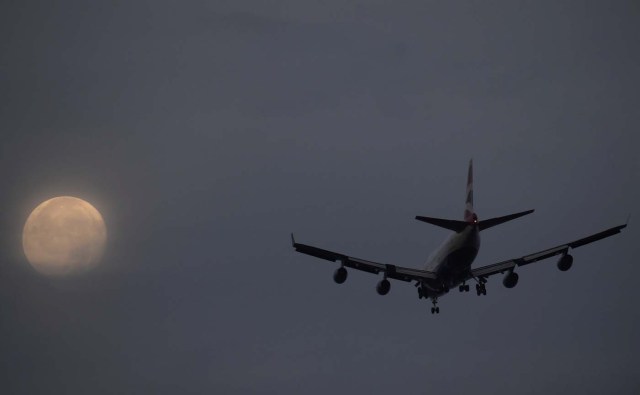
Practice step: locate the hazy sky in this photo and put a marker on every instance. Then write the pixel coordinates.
(206, 131)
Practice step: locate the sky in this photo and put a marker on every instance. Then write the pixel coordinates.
(205, 132)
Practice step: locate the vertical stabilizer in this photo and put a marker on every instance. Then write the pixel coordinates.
(468, 209)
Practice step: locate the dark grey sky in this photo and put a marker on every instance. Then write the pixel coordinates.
(206, 131)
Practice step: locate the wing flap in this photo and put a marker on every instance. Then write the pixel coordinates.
(409, 274)
(361, 264)
(538, 256)
(391, 271)
(493, 269)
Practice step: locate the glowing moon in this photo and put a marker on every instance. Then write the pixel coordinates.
(64, 235)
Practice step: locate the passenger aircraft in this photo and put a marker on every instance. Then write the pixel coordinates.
(450, 265)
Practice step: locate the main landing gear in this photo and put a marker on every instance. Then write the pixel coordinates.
(481, 288)
(463, 288)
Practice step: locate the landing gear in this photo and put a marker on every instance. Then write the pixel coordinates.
(435, 309)
(423, 291)
(463, 288)
(481, 289)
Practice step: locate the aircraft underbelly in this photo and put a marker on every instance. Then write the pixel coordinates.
(453, 266)
(458, 261)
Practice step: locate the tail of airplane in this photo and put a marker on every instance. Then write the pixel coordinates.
(470, 216)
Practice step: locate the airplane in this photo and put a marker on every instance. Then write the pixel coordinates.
(450, 265)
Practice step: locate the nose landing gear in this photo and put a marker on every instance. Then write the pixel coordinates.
(435, 309)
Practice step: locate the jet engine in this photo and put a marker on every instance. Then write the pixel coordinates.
(510, 280)
(340, 275)
(383, 287)
(565, 262)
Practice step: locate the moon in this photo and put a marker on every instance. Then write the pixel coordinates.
(64, 235)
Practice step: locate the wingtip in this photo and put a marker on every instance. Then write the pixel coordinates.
(293, 240)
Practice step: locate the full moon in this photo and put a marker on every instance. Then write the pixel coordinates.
(64, 235)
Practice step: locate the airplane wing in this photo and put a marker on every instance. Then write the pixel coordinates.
(390, 271)
(501, 267)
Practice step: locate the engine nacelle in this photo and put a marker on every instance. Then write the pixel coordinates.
(510, 280)
(383, 287)
(565, 262)
(340, 275)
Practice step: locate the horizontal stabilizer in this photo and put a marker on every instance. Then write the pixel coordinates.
(451, 224)
(488, 223)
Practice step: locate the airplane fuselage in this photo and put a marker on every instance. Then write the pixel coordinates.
(452, 261)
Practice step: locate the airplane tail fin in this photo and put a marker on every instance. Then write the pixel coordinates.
(469, 215)
(468, 209)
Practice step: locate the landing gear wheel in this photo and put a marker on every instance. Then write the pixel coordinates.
(435, 309)
(466, 288)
